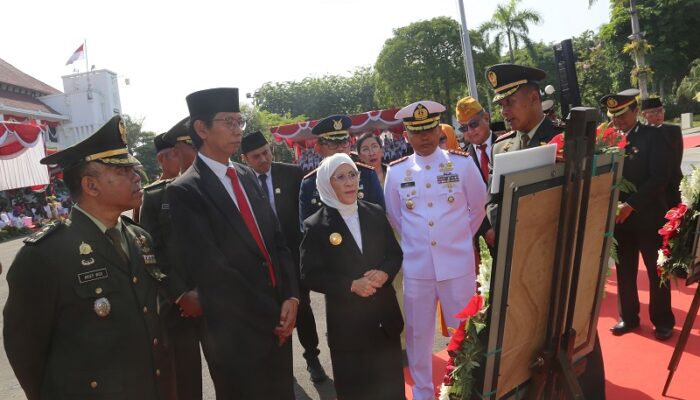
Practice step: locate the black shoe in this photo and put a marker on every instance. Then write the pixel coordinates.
(663, 333)
(316, 371)
(623, 327)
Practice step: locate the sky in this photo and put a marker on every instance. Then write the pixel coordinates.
(168, 49)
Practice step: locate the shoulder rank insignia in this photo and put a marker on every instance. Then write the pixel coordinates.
(402, 159)
(158, 183)
(361, 165)
(459, 152)
(43, 232)
(505, 136)
(310, 174)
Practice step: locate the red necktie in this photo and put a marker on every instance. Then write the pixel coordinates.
(484, 163)
(249, 219)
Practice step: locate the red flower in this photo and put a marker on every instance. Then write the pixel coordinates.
(676, 212)
(559, 141)
(474, 306)
(666, 251)
(659, 270)
(669, 229)
(457, 337)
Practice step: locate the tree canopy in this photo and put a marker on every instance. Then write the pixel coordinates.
(511, 25)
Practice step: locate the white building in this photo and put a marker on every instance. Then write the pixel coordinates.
(89, 100)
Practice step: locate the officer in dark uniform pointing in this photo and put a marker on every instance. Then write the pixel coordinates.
(81, 317)
(333, 137)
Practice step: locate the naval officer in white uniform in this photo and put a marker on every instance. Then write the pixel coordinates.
(435, 199)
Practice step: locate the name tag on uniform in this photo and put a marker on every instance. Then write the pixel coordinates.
(149, 259)
(95, 274)
(165, 206)
(407, 184)
(447, 178)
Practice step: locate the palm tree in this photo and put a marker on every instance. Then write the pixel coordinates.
(512, 24)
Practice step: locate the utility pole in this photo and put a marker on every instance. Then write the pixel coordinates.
(467, 51)
(637, 38)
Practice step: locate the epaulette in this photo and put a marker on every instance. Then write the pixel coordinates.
(45, 231)
(310, 173)
(505, 136)
(157, 183)
(359, 164)
(402, 159)
(459, 152)
(128, 221)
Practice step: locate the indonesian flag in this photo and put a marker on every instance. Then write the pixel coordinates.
(77, 55)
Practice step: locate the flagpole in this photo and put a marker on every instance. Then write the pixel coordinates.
(87, 71)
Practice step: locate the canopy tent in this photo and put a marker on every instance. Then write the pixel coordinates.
(21, 148)
(300, 133)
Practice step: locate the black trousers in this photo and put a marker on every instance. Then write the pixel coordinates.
(629, 244)
(371, 373)
(306, 325)
(184, 338)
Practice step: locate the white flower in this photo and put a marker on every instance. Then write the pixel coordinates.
(661, 260)
(444, 392)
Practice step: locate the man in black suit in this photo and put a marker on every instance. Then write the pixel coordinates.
(474, 123)
(181, 313)
(653, 111)
(640, 215)
(229, 239)
(280, 183)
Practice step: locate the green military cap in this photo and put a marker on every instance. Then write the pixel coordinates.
(180, 132)
(107, 145)
(618, 104)
(505, 79)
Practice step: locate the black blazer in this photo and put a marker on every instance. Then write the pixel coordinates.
(674, 136)
(472, 150)
(287, 178)
(648, 167)
(223, 259)
(330, 269)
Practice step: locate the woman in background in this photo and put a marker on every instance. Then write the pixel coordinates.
(371, 152)
(350, 254)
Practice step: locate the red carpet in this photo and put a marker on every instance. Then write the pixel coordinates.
(689, 141)
(636, 364)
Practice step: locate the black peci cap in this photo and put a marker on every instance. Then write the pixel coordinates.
(252, 142)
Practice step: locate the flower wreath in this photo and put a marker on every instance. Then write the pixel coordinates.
(678, 233)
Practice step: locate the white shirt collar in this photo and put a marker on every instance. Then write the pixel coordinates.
(424, 160)
(218, 168)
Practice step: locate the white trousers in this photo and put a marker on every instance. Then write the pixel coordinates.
(420, 302)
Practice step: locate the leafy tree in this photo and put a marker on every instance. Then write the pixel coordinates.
(690, 85)
(140, 145)
(670, 27)
(512, 25)
(422, 61)
(319, 97)
(260, 120)
(598, 65)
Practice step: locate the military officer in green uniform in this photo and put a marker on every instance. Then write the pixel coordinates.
(81, 318)
(181, 314)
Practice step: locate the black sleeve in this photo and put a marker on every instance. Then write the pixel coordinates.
(208, 266)
(29, 316)
(315, 273)
(394, 254)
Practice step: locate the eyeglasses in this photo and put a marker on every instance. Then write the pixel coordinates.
(373, 148)
(332, 145)
(232, 123)
(469, 125)
(349, 177)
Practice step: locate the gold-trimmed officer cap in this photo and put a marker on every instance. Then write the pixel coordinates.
(107, 145)
(618, 104)
(506, 79)
(180, 132)
(334, 127)
(467, 108)
(421, 115)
